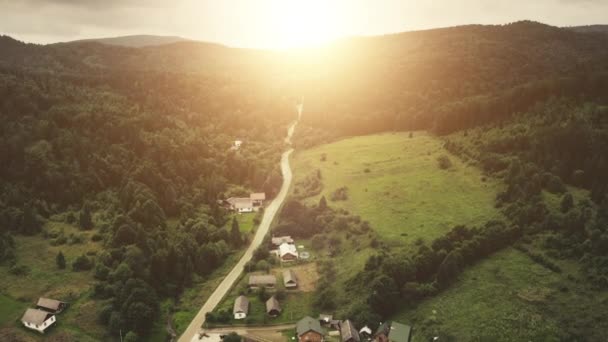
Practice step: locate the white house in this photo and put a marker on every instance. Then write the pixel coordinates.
(237, 144)
(241, 307)
(241, 204)
(288, 252)
(38, 320)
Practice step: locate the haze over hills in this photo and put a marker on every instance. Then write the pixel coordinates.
(135, 40)
(590, 28)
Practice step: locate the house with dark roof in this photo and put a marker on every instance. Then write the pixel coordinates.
(51, 305)
(38, 320)
(393, 332)
(348, 332)
(241, 307)
(308, 329)
(273, 309)
(262, 280)
(289, 279)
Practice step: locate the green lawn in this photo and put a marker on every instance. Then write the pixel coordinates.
(394, 182)
(496, 300)
(10, 310)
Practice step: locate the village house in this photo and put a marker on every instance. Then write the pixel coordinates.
(365, 333)
(289, 279)
(273, 309)
(393, 332)
(308, 329)
(241, 307)
(348, 333)
(38, 320)
(51, 305)
(279, 240)
(262, 280)
(246, 204)
(288, 252)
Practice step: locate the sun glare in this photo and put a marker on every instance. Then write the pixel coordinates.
(304, 23)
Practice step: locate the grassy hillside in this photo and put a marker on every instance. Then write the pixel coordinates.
(394, 182)
(43, 278)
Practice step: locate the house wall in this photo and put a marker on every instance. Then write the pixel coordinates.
(240, 315)
(310, 336)
(40, 327)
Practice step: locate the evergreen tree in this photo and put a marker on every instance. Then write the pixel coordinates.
(567, 203)
(30, 224)
(60, 260)
(85, 221)
(322, 203)
(235, 233)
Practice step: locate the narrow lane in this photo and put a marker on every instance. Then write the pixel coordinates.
(191, 333)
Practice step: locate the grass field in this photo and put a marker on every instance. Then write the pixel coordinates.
(394, 182)
(17, 293)
(496, 300)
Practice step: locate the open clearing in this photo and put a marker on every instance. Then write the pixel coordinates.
(79, 321)
(394, 182)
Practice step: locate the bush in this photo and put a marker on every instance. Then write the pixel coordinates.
(341, 194)
(444, 162)
(19, 270)
(82, 263)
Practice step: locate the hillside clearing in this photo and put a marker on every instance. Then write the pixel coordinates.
(395, 183)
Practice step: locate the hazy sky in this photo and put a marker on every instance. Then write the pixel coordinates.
(274, 23)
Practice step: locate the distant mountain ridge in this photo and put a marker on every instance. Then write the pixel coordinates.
(135, 40)
(589, 28)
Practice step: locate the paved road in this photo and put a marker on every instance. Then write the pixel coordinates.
(192, 332)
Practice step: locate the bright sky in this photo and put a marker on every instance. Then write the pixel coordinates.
(274, 23)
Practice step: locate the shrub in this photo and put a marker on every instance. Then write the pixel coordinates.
(82, 263)
(444, 162)
(19, 270)
(341, 194)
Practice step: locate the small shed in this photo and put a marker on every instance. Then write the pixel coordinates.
(258, 198)
(348, 333)
(38, 320)
(262, 280)
(241, 307)
(50, 305)
(279, 240)
(289, 279)
(273, 309)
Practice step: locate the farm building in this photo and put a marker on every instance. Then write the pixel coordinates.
(348, 332)
(240, 204)
(279, 240)
(38, 320)
(289, 279)
(265, 280)
(393, 332)
(325, 318)
(241, 307)
(273, 309)
(51, 305)
(258, 198)
(309, 330)
(288, 252)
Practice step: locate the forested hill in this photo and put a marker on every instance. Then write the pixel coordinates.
(452, 78)
(119, 140)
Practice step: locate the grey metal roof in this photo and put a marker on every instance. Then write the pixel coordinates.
(241, 304)
(35, 316)
(289, 276)
(307, 324)
(348, 331)
(272, 304)
(262, 279)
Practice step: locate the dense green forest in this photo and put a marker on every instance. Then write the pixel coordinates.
(451, 78)
(120, 140)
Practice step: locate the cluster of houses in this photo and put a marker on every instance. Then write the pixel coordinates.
(43, 316)
(309, 329)
(250, 204)
(268, 281)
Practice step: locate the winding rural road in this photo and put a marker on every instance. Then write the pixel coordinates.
(191, 333)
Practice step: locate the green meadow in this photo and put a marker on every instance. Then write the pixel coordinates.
(394, 182)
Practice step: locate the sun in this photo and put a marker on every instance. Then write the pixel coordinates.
(304, 23)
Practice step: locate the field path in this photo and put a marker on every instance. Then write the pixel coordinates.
(192, 332)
